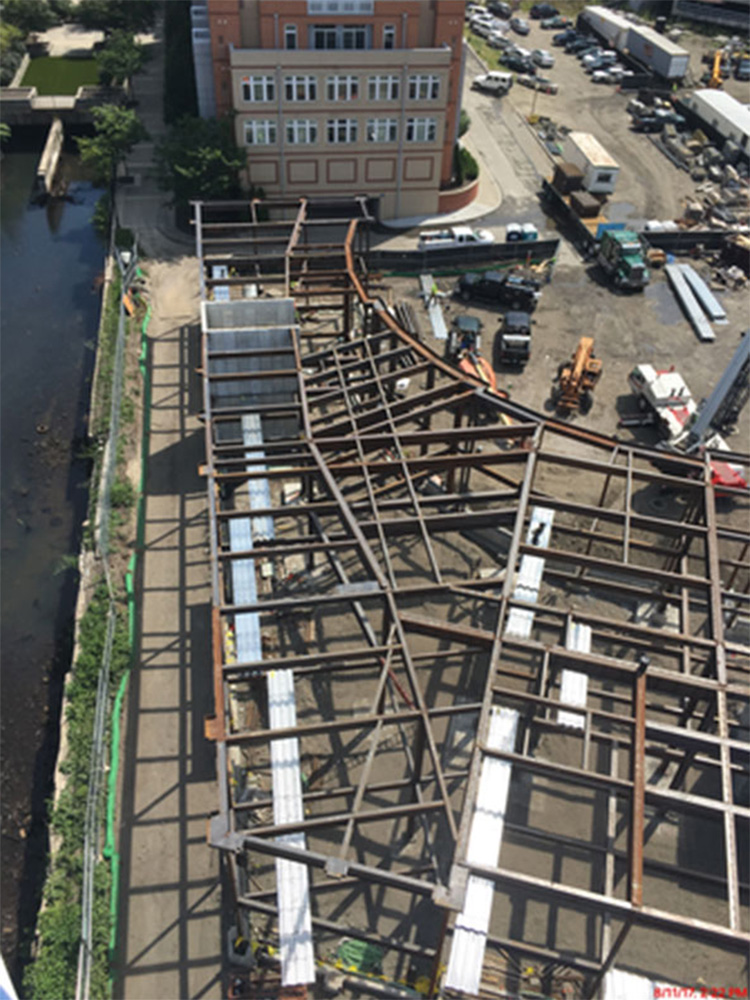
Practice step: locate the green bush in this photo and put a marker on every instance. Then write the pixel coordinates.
(467, 167)
(122, 493)
(464, 123)
(53, 973)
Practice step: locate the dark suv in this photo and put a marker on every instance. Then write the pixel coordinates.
(502, 289)
(543, 10)
(501, 10)
(519, 64)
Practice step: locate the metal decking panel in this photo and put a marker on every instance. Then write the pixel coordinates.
(574, 684)
(689, 302)
(485, 841)
(712, 307)
(434, 309)
(530, 572)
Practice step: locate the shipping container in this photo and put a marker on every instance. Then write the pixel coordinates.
(657, 53)
(600, 170)
(610, 26)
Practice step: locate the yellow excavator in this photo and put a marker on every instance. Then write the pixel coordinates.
(715, 79)
(576, 379)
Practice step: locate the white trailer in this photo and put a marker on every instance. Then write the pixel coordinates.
(667, 59)
(723, 113)
(600, 170)
(608, 25)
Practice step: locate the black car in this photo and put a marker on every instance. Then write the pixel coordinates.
(513, 340)
(501, 10)
(579, 44)
(502, 289)
(519, 64)
(563, 37)
(648, 123)
(540, 10)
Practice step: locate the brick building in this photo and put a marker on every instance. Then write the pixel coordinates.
(344, 97)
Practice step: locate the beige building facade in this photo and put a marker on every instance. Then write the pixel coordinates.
(343, 97)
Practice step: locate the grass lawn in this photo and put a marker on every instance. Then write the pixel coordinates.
(51, 75)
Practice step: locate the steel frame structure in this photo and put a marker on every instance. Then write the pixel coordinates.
(401, 493)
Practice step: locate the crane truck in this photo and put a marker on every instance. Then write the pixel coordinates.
(684, 426)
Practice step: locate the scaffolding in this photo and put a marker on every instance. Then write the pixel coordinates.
(438, 561)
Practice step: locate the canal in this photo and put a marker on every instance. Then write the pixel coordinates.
(51, 263)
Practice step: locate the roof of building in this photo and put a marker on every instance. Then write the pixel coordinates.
(726, 105)
(592, 149)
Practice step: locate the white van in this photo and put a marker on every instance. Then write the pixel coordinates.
(493, 83)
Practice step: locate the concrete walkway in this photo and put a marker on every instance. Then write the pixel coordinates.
(170, 926)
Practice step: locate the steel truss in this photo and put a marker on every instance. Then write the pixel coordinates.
(401, 492)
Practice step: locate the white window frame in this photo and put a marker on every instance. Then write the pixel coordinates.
(389, 35)
(290, 32)
(340, 33)
(342, 87)
(421, 129)
(300, 83)
(301, 131)
(424, 87)
(383, 87)
(263, 131)
(382, 130)
(258, 89)
(342, 130)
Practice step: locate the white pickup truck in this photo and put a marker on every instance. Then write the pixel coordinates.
(456, 236)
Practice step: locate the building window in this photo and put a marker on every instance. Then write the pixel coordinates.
(342, 130)
(389, 36)
(383, 88)
(301, 131)
(421, 129)
(342, 88)
(382, 129)
(341, 36)
(290, 36)
(340, 6)
(258, 88)
(260, 132)
(301, 88)
(424, 88)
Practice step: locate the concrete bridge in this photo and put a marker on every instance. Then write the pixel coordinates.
(24, 106)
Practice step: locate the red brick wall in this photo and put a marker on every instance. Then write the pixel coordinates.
(224, 22)
(451, 201)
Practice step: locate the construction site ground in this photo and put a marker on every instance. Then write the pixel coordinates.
(628, 329)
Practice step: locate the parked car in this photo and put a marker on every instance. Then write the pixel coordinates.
(580, 45)
(472, 9)
(543, 58)
(563, 37)
(518, 63)
(603, 56)
(540, 10)
(558, 21)
(496, 39)
(499, 288)
(502, 10)
(648, 123)
(520, 26)
(619, 73)
(603, 76)
(513, 339)
(541, 83)
(493, 83)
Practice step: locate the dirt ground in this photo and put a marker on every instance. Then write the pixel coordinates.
(627, 328)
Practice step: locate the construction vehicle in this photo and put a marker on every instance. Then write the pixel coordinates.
(665, 397)
(621, 256)
(617, 250)
(714, 81)
(576, 379)
(513, 340)
(463, 349)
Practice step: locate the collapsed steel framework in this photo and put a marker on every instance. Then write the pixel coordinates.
(401, 500)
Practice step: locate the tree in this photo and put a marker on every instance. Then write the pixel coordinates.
(120, 58)
(117, 131)
(12, 49)
(198, 158)
(28, 15)
(113, 15)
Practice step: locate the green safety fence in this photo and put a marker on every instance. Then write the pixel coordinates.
(110, 851)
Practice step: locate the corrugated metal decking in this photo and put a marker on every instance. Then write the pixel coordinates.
(485, 840)
(574, 684)
(713, 308)
(689, 303)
